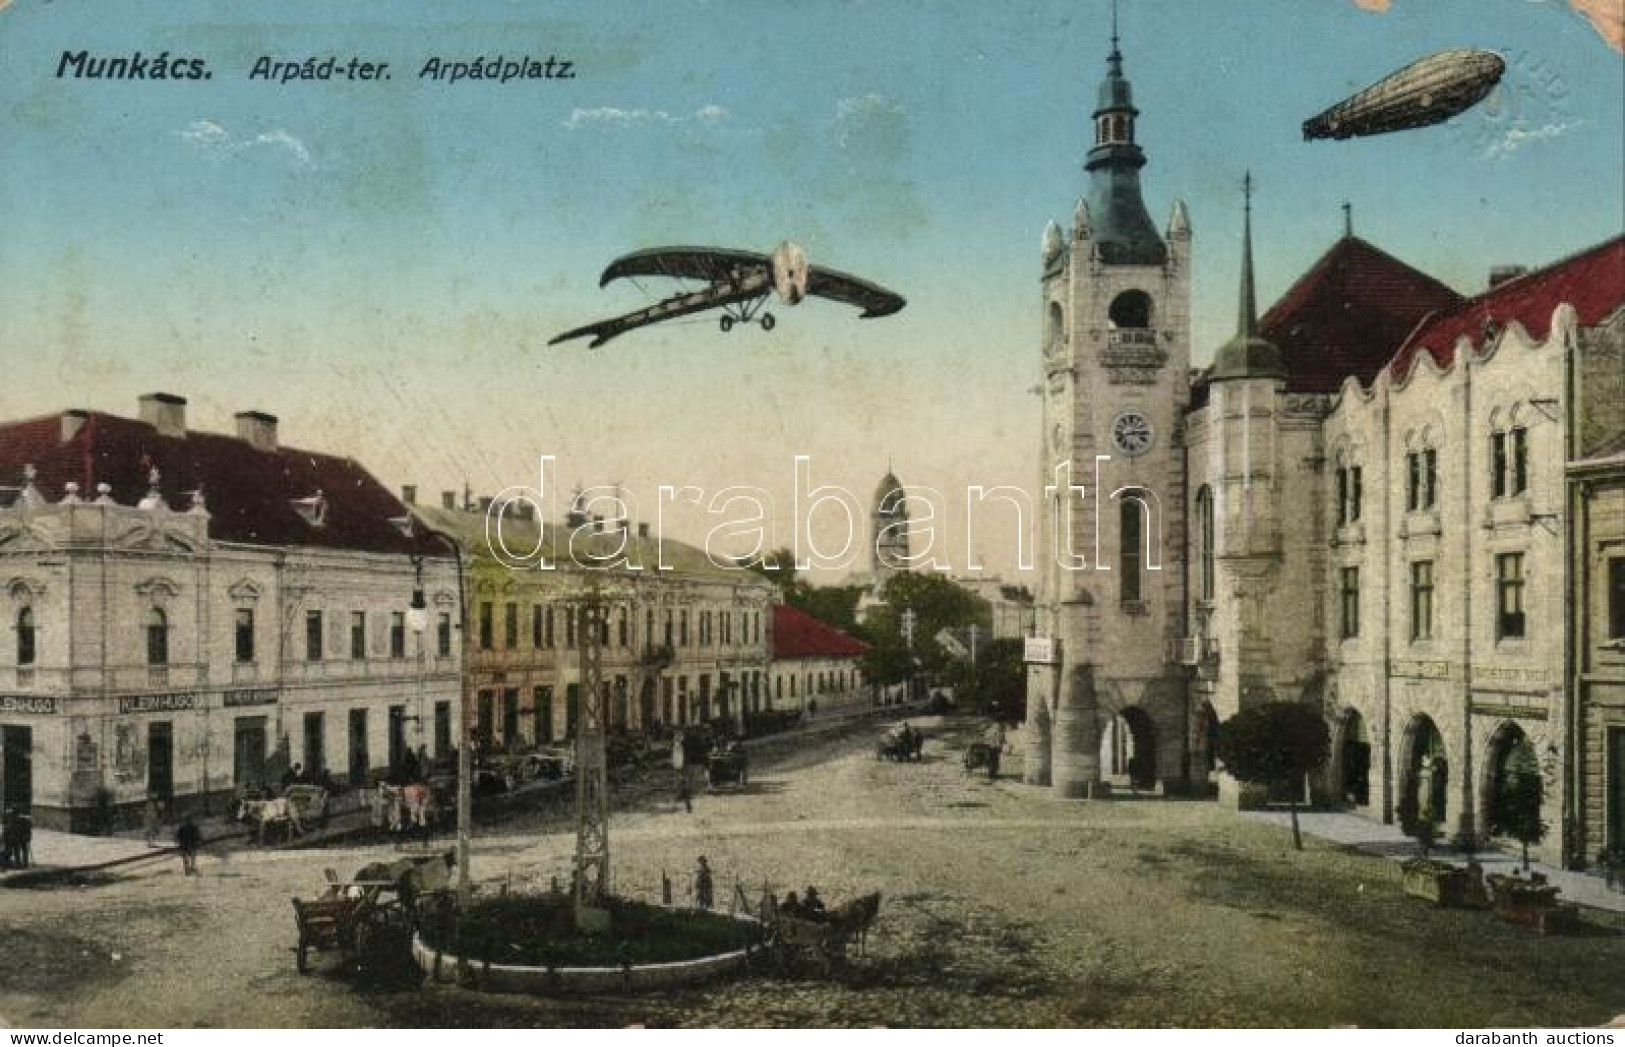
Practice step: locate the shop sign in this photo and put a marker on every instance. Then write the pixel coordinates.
(37, 705)
(157, 703)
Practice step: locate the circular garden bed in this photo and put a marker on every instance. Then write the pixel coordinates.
(529, 943)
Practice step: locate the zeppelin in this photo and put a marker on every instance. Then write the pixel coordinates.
(1426, 92)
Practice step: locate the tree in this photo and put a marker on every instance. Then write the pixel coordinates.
(938, 604)
(1276, 744)
(835, 605)
(1518, 794)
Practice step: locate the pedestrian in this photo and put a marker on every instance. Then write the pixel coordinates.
(154, 818)
(704, 887)
(188, 838)
(992, 764)
(25, 839)
(685, 794)
(8, 839)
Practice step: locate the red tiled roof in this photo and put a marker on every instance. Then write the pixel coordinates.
(1592, 281)
(1347, 313)
(797, 634)
(248, 492)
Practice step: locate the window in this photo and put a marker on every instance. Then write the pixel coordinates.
(570, 627)
(26, 651)
(1422, 600)
(313, 636)
(1498, 465)
(510, 626)
(245, 635)
(444, 631)
(1509, 618)
(622, 629)
(1520, 460)
(670, 638)
(1351, 602)
(358, 634)
(397, 634)
(682, 627)
(649, 627)
(536, 626)
(1430, 477)
(1128, 550)
(157, 637)
(487, 627)
(1616, 597)
(1204, 531)
(547, 630)
(1348, 494)
(727, 628)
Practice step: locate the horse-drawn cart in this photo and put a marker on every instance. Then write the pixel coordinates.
(382, 904)
(727, 766)
(824, 938)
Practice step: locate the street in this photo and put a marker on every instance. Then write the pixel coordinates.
(1001, 908)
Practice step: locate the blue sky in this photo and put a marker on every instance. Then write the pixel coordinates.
(381, 264)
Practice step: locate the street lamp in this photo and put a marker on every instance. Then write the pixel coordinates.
(417, 620)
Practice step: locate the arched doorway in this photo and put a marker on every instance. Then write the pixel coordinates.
(1507, 741)
(1424, 787)
(1128, 748)
(1352, 760)
(1205, 744)
(646, 706)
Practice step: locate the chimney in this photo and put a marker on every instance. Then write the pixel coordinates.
(448, 499)
(165, 412)
(409, 494)
(257, 429)
(72, 422)
(1500, 274)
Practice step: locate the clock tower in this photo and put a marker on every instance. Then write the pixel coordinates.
(1115, 294)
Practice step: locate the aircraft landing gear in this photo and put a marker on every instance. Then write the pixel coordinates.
(768, 321)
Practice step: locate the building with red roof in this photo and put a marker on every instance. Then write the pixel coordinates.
(1380, 502)
(194, 613)
(815, 665)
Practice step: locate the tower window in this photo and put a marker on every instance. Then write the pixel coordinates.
(1130, 540)
(1131, 309)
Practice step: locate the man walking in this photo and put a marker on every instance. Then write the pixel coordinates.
(704, 888)
(188, 838)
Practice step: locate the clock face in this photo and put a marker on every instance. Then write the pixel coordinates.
(1132, 433)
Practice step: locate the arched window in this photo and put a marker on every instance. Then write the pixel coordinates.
(157, 637)
(1204, 535)
(1130, 540)
(26, 651)
(1131, 309)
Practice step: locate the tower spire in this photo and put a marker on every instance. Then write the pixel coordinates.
(1248, 354)
(1123, 232)
(1247, 321)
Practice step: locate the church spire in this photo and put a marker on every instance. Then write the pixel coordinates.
(1247, 321)
(1248, 354)
(1124, 234)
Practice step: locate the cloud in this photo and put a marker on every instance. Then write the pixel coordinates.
(864, 119)
(1378, 6)
(220, 143)
(610, 116)
(1607, 18)
(1515, 138)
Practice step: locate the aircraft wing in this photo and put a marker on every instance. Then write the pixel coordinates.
(691, 263)
(873, 299)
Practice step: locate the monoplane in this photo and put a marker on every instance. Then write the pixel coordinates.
(737, 282)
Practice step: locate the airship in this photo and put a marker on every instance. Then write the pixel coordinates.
(1429, 91)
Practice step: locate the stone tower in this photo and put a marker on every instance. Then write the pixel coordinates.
(1243, 471)
(889, 530)
(1115, 297)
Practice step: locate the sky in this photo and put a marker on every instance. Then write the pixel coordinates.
(381, 264)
